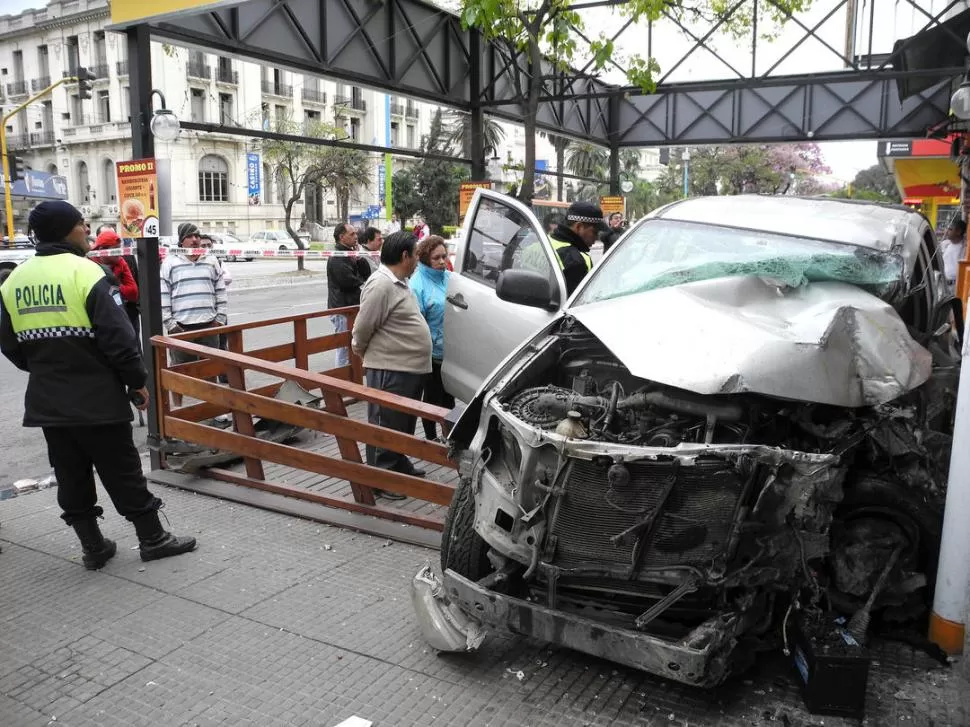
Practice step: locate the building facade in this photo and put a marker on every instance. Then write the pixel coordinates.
(81, 139)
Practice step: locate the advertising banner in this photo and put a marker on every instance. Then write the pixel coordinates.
(253, 170)
(138, 198)
(381, 182)
(466, 190)
(613, 203)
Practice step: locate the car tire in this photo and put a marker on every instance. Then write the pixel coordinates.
(249, 259)
(283, 248)
(462, 549)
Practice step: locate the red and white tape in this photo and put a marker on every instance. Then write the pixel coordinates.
(238, 252)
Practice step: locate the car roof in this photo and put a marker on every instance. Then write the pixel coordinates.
(877, 226)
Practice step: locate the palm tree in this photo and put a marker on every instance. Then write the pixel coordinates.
(630, 164)
(459, 125)
(559, 144)
(592, 162)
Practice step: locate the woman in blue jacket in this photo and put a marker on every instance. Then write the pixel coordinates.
(430, 285)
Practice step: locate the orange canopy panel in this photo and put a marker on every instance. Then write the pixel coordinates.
(925, 178)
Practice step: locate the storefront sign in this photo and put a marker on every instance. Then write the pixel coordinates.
(138, 198)
(611, 204)
(253, 173)
(466, 190)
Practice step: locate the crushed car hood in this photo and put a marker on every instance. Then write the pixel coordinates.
(827, 342)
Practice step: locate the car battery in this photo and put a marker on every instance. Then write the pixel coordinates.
(832, 668)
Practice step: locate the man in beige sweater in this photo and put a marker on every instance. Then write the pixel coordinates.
(393, 338)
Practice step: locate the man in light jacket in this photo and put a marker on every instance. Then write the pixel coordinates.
(392, 337)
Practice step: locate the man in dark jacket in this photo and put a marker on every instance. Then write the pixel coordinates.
(572, 240)
(615, 231)
(345, 275)
(61, 322)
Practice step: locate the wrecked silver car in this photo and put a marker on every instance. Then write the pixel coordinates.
(744, 412)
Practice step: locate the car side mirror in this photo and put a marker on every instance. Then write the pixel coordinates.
(526, 287)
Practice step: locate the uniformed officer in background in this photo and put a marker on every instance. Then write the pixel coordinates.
(60, 322)
(572, 239)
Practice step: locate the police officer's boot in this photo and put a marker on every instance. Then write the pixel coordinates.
(98, 549)
(155, 542)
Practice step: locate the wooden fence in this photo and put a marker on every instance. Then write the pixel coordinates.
(336, 386)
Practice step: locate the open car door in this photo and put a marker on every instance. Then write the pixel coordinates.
(499, 234)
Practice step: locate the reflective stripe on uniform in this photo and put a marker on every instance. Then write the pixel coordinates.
(558, 245)
(46, 297)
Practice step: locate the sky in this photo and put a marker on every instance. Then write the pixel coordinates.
(844, 158)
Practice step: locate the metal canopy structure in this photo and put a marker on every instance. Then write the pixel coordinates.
(412, 48)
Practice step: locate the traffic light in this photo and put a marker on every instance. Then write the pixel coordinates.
(17, 168)
(84, 78)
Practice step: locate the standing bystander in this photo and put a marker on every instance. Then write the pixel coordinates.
(127, 283)
(193, 294)
(393, 338)
(953, 249)
(346, 274)
(373, 239)
(430, 286)
(61, 324)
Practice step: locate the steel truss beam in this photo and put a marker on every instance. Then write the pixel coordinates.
(411, 48)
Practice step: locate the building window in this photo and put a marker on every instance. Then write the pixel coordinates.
(411, 137)
(267, 185)
(77, 114)
(355, 129)
(395, 134)
(280, 117)
(213, 179)
(73, 55)
(197, 108)
(83, 184)
(225, 109)
(18, 65)
(104, 107)
(108, 180)
(125, 100)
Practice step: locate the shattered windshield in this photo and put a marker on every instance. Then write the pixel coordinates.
(662, 253)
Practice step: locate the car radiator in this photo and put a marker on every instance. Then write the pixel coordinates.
(695, 521)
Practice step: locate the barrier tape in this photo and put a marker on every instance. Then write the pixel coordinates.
(238, 252)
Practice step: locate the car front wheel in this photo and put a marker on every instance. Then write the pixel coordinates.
(462, 549)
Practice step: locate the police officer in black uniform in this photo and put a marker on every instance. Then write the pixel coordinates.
(61, 321)
(573, 238)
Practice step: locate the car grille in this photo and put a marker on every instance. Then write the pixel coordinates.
(694, 528)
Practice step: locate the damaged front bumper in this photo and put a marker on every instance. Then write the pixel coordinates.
(701, 658)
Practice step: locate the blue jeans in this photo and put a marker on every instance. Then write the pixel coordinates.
(343, 354)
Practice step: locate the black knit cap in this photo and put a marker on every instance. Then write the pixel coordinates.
(186, 229)
(52, 221)
(586, 212)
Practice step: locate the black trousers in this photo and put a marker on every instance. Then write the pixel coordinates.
(403, 384)
(434, 393)
(109, 449)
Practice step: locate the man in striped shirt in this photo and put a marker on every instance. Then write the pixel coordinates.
(193, 293)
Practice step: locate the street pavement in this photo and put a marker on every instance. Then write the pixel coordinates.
(275, 620)
(25, 452)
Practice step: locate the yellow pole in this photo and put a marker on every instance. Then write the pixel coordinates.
(7, 182)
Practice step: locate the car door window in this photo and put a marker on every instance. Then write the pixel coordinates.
(502, 238)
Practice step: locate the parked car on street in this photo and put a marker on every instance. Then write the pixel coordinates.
(741, 419)
(221, 243)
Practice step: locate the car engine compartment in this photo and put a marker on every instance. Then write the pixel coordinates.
(663, 511)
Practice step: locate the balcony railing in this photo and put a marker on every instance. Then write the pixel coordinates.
(20, 141)
(42, 138)
(195, 69)
(39, 84)
(100, 70)
(278, 89)
(226, 75)
(312, 95)
(397, 109)
(358, 104)
(411, 112)
(121, 68)
(17, 88)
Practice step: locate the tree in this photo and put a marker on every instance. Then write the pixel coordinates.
(430, 186)
(459, 132)
(876, 184)
(591, 161)
(539, 39)
(299, 165)
(747, 169)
